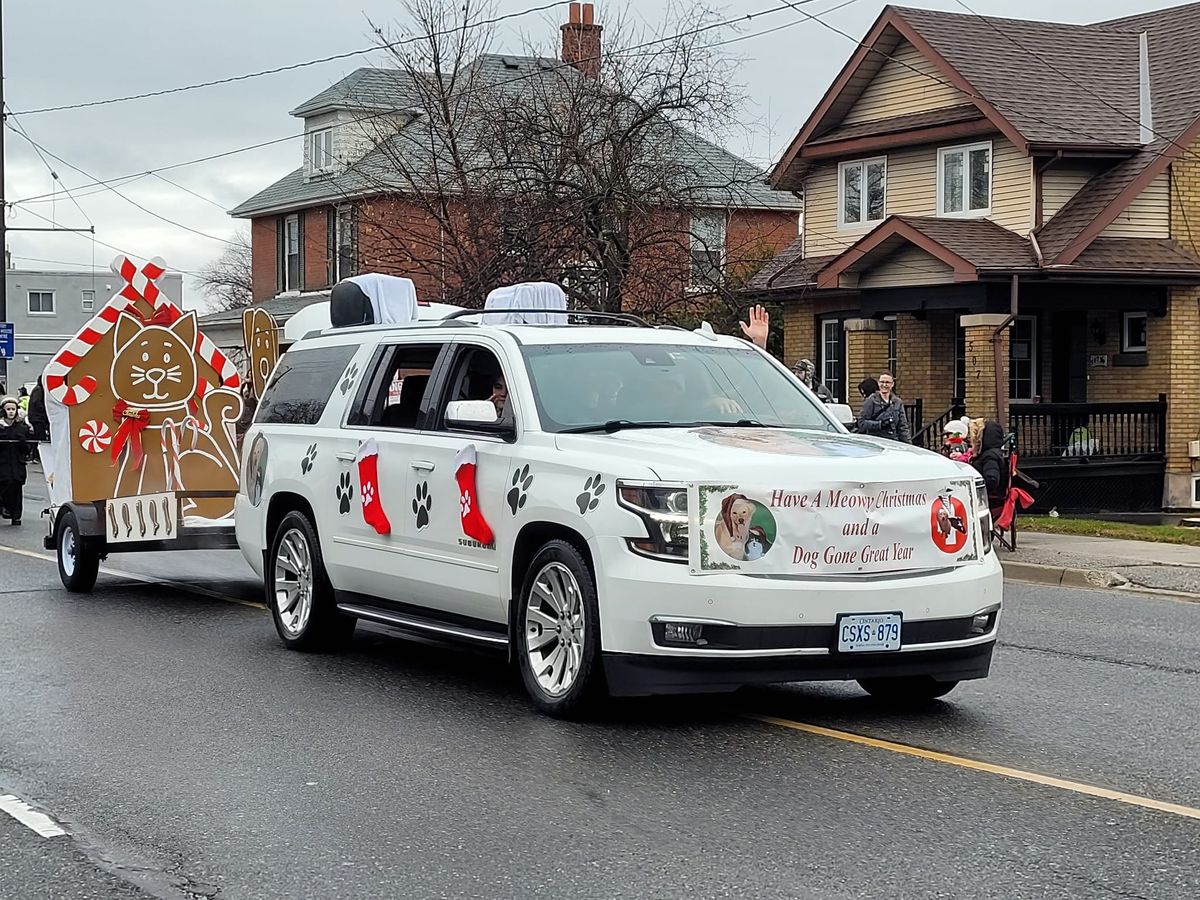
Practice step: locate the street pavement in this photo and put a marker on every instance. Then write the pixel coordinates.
(188, 755)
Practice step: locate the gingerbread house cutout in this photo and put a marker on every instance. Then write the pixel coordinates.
(140, 402)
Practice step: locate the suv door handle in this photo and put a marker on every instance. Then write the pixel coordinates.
(345, 457)
(422, 465)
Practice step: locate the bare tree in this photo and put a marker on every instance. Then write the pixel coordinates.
(226, 281)
(500, 169)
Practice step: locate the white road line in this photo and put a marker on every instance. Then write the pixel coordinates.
(35, 821)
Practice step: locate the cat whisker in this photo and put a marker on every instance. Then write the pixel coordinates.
(138, 379)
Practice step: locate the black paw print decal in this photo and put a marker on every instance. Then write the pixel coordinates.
(521, 481)
(348, 380)
(345, 493)
(310, 457)
(421, 505)
(590, 498)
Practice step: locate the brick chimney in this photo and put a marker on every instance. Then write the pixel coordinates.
(581, 40)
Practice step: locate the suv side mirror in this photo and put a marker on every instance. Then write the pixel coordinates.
(843, 413)
(471, 413)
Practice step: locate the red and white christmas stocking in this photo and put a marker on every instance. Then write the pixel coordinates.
(473, 523)
(367, 460)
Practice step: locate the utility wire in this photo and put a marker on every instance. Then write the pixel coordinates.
(127, 199)
(188, 190)
(20, 129)
(736, 20)
(1125, 115)
(291, 66)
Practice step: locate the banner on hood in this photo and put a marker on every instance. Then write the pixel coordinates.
(834, 529)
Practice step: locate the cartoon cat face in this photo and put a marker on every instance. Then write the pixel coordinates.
(153, 366)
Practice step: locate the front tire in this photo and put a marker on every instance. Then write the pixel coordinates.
(78, 560)
(911, 690)
(558, 632)
(299, 594)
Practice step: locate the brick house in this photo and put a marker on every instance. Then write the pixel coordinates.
(999, 210)
(328, 218)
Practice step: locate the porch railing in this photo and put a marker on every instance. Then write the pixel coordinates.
(1085, 431)
(914, 411)
(929, 437)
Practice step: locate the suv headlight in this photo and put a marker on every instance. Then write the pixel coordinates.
(663, 508)
(985, 515)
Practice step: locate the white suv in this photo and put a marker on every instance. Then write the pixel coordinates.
(672, 511)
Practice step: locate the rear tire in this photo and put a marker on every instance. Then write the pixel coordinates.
(911, 690)
(557, 632)
(78, 560)
(299, 594)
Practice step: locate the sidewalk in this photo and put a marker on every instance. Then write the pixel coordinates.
(1103, 562)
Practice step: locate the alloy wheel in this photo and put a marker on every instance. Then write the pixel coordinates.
(554, 629)
(293, 582)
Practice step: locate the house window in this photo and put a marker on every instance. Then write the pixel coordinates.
(708, 249)
(965, 180)
(1133, 332)
(342, 247)
(1022, 359)
(833, 356)
(289, 253)
(87, 300)
(41, 303)
(320, 150)
(861, 192)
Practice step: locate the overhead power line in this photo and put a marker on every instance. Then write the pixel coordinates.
(291, 66)
(127, 199)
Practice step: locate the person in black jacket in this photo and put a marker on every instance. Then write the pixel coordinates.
(37, 417)
(992, 464)
(882, 413)
(15, 437)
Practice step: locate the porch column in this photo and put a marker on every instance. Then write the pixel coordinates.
(925, 351)
(866, 349)
(981, 367)
(1175, 336)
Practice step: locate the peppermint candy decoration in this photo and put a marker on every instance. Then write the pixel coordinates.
(95, 436)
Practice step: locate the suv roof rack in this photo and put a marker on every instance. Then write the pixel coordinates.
(618, 318)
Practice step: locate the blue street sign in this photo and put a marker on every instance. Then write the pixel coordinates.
(7, 340)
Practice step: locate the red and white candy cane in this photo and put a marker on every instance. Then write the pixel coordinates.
(139, 285)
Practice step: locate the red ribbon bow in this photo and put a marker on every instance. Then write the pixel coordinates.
(131, 423)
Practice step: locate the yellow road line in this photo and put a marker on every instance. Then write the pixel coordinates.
(144, 579)
(1089, 790)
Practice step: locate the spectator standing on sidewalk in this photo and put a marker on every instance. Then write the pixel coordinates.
(882, 413)
(37, 417)
(15, 437)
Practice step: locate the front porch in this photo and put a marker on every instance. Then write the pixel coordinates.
(1086, 375)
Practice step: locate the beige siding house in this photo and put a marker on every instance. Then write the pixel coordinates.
(1015, 253)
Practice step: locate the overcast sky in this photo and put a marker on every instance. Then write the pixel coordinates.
(71, 51)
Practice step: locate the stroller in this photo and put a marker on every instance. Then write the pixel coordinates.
(1004, 516)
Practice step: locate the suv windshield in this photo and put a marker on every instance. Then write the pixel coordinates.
(580, 387)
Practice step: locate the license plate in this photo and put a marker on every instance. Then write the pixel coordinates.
(868, 633)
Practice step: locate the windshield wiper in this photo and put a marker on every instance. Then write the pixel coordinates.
(614, 425)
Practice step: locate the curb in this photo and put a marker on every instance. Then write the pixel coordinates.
(1089, 579)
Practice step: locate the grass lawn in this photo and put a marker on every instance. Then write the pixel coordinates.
(1162, 534)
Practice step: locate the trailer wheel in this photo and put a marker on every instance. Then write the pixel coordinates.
(78, 560)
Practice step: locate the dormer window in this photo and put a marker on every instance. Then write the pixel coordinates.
(320, 150)
(862, 188)
(965, 180)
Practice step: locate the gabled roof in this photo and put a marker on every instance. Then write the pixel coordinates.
(967, 246)
(720, 179)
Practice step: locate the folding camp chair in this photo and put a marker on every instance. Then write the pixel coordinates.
(1004, 517)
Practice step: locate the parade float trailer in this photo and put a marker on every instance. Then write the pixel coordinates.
(143, 406)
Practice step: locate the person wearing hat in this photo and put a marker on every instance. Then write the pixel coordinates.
(807, 373)
(954, 440)
(15, 435)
